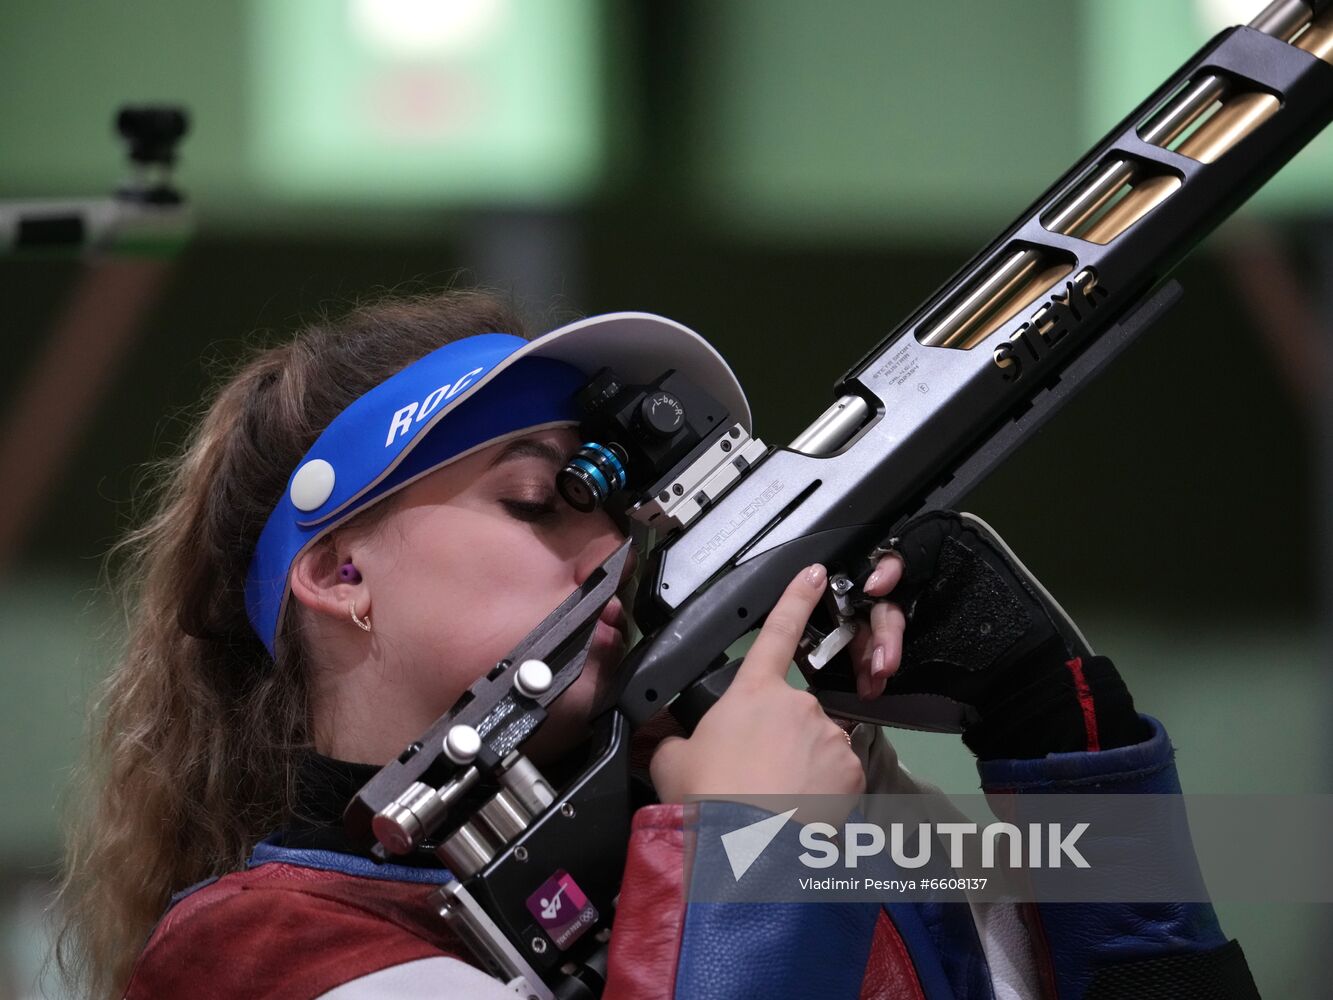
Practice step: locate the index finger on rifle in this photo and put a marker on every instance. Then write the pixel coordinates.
(775, 646)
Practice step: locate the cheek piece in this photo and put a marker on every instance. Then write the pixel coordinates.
(347, 573)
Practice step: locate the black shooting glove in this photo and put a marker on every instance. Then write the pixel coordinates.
(982, 630)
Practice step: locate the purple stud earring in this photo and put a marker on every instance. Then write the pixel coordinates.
(347, 573)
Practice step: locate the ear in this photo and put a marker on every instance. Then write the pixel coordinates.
(316, 585)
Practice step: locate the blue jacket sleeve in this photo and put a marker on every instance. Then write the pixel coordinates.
(1089, 945)
(687, 928)
(734, 948)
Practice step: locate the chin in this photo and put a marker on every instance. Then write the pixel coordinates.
(567, 724)
(581, 698)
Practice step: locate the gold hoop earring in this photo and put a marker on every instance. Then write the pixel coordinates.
(362, 624)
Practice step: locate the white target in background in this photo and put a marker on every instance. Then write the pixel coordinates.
(413, 28)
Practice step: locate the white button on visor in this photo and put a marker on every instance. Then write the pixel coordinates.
(312, 485)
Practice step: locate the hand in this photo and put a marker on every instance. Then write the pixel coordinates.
(764, 737)
(877, 651)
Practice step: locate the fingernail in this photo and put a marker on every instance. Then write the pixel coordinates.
(815, 574)
(873, 580)
(877, 667)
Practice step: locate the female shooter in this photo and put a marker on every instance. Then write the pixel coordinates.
(251, 703)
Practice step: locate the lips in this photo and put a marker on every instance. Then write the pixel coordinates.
(614, 620)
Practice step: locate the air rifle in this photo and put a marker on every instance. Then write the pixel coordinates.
(917, 422)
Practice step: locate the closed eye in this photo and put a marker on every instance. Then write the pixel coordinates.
(530, 510)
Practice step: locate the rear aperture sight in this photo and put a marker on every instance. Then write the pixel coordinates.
(638, 438)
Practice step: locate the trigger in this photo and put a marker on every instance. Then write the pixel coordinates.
(815, 651)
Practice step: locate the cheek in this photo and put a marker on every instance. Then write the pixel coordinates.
(466, 586)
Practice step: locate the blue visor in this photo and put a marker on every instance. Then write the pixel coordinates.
(395, 434)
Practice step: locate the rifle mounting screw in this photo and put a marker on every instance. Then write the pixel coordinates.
(539, 946)
(533, 678)
(840, 584)
(462, 744)
(520, 853)
(567, 810)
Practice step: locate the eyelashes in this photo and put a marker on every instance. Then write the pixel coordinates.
(531, 511)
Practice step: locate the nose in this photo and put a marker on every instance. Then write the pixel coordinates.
(599, 548)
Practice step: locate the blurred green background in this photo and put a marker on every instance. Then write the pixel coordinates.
(790, 180)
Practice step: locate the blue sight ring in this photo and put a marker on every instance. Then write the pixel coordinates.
(590, 477)
(603, 487)
(612, 459)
